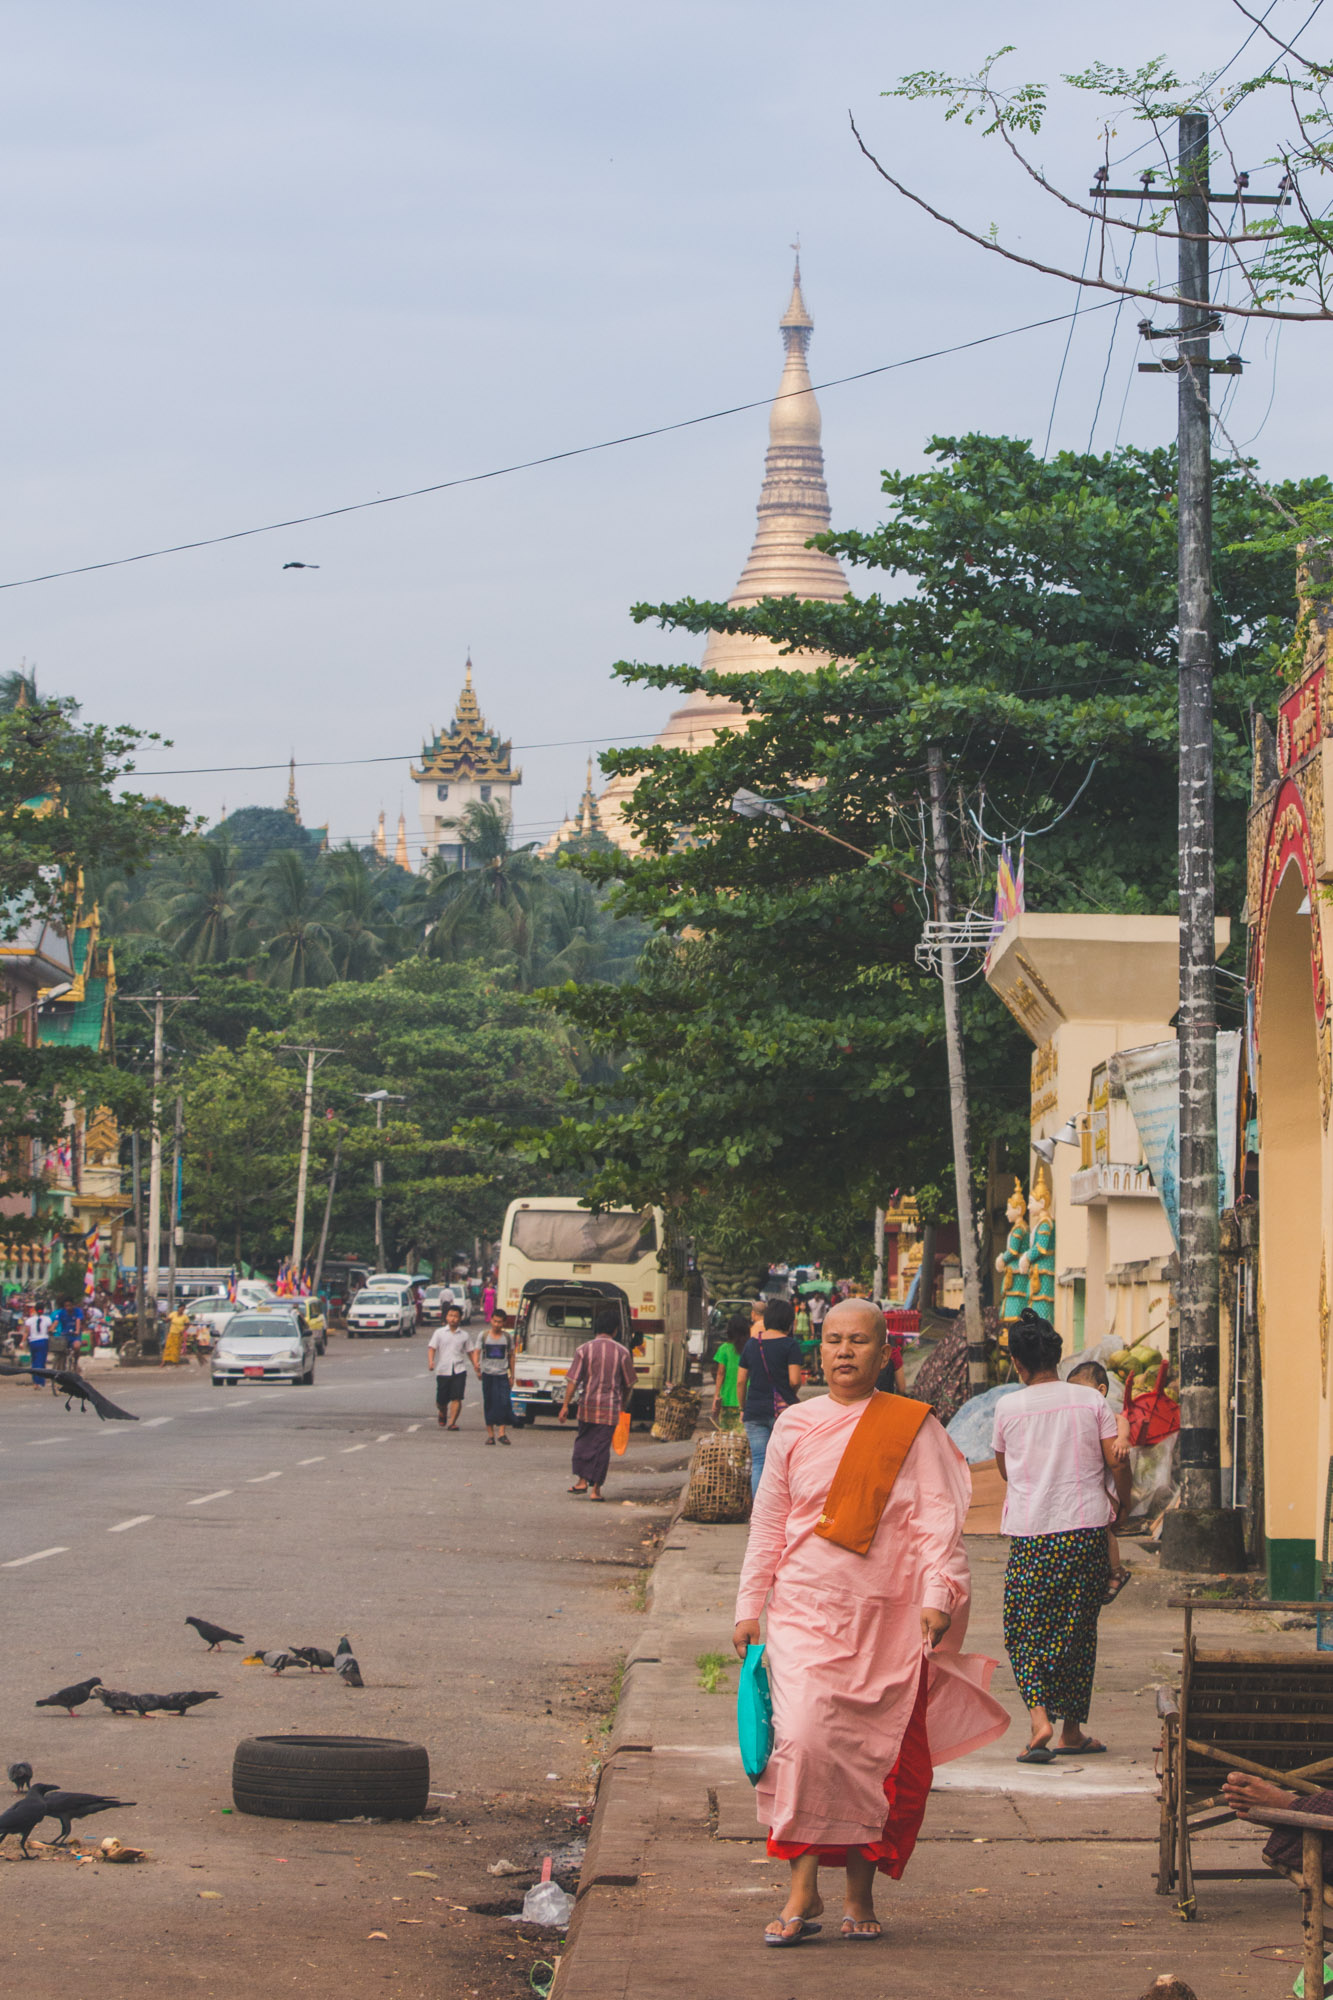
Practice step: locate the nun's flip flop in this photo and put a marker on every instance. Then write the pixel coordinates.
(1090, 1748)
(1036, 1753)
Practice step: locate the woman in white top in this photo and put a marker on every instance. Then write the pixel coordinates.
(1053, 1444)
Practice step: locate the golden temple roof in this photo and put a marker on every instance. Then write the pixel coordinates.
(467, 749)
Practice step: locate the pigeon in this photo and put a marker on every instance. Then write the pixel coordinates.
(67, 1382)
(121, 1703)
(314, 1656)
(22, 1818)
(347, 1670)
(278, 1659)
(215, 1634)
(71, 1697)
(177, 1704)
(344, 1644)
(297, 565)
(69, 1806)
(20, 1776)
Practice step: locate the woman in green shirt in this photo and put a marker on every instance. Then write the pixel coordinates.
(726, 1402)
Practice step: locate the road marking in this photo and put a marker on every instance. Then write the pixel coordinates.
(40, 1556)
(259, 1478)
(384, 1437)
(135, 1521)
(413, 1427)
(201, 1410)
(317, 1460)
(355, 1447)
(223, 1493)
(59, 1440)
(150, 1423)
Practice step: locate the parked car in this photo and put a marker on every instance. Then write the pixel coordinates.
(382, 1307)
(262, 1345)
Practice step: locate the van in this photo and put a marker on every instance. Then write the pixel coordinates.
(555, 1317)
(382, 1308)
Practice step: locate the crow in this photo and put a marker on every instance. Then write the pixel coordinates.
(296, 565)
(347, 1670)
(177, 1704)
(22, 1818)
(121, 1703)
(215, 1634)
(314, 1656)
(67, 1382)
(20, 1776)
(69, 1806)
(71, 1697)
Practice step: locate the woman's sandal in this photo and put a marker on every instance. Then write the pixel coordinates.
(779, 1939)
(576, 1489)
(1036, 1753)
(1119, 1578)
(1089, 1747)
(856, 1930)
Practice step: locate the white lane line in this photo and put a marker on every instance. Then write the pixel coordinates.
(223, 1493)
(135, 1521)
(355, 1447)
(56, 1440)
(413, 1427)
(151, 1423)
(318, 1459)
(259, 1478)
(202, 1410)
(384, 1437)
(40, 1556)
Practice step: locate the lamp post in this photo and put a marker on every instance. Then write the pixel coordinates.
(379, 1098)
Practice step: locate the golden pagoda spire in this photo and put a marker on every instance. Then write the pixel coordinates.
(381, 845)
(290, 804)
(400, 845)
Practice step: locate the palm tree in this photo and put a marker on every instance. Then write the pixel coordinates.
(18, 689)
(360, 928)
(209, 919)
(497, 881)
(296, 942)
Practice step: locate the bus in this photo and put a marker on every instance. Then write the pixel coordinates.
(554, 1236)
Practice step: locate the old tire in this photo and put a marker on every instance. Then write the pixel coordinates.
(330, 1777)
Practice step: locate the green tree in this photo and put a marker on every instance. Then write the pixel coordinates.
(242, 1141)
(207, 920)
(287, 912)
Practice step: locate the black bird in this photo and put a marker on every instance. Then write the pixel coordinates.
(215, 1634)
(121, 1703)
(71, 1697)
(295, 565)
(20, 1776)
(69, 1806)
(67, 1382)
(177, 1704)
(21, 1818)
(314, 1656)
(347, 1670)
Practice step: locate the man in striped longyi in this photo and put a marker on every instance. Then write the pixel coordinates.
(603, 1375)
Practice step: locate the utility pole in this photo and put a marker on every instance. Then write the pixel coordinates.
(977, 1383)
(328, 1211)
(158, 1003)
(309, 1051)
(877, 1288)
(379, 1098)
(138, 1236)
(175, 1203)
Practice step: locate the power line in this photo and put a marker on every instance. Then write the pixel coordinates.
(531, 464)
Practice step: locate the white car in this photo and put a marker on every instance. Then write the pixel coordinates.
(261, 1345)
(382, 1308)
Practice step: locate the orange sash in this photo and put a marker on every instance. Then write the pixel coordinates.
(870, 1463)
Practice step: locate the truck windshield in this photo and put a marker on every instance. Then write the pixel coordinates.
(568, 1236)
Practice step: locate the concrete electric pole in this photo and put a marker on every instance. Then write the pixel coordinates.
(310, 1052)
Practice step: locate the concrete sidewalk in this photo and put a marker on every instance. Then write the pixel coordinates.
(1028, 1881)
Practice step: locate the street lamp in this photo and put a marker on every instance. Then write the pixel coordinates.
(379, 1098)
(1068, 1135)
(43, 999)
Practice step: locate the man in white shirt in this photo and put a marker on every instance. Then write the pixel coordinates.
(38, 1328)
(446, 1357)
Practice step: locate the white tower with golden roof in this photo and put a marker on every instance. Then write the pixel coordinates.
(793, 506)
(466, 764)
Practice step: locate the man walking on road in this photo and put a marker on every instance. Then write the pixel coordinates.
(446, 1357)
(604, 1374)
(856, 1547)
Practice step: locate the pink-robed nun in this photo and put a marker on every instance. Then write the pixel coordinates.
(870, 1686)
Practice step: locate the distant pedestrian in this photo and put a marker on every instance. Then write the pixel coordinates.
(173, 1346)
(493, 1359)
(726, 1362)
(768, 1380)
(446, 1357)
(64, 1333)
(38, 1329)
(488, 1300)
(603, 1374)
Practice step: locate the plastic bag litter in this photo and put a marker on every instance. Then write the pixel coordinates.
(1156, 1478)
(1299, 1988)
(548, 1903)
(973, 1429)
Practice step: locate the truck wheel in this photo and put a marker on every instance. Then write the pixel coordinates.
(330, 1777)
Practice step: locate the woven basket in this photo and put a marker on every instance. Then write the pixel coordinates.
(719, 1488)
(676, 1415)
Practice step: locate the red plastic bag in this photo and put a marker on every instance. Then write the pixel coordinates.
(1152, 1416)
(621, 1438)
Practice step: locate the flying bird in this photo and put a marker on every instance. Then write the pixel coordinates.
(347, 1670)
(21, 1818)
(313, 1656)
(71, 1697)
(67, 1382)
(215, 1634)
(69, 1806)
(20, 1776)
(177, 1704)
(121, 1703)
(298, 565)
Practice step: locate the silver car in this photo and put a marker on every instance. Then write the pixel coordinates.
(264, 1346)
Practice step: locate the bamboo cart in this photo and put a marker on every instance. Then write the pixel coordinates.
(1240, 1708)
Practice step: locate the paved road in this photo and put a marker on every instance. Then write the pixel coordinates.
(487, 1609)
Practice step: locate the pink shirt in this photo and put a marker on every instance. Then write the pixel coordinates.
(1051, 1437)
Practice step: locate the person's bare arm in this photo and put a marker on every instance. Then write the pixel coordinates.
(999, 1462)
(1120, 1474)
(795, 1376)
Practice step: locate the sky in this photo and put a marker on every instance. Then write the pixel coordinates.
(263, 260)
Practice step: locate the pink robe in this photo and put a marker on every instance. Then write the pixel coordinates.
(844, 1631)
